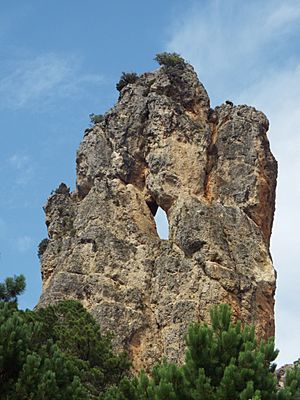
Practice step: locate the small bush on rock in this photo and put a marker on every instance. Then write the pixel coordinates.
(61, 189)
(126, 78)
(42, 247)
(96, 118)
(169, 59)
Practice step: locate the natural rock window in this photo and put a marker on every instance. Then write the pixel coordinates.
(162, 224)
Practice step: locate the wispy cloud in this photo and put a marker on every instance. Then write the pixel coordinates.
(42, 79)
(234, 43)
(249, 52)
(284, 17)
(23, 168)
(24, 243)
(278, 95)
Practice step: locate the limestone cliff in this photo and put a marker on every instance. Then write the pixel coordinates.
(214, 175)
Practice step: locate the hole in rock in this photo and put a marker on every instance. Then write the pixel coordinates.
(162, 224)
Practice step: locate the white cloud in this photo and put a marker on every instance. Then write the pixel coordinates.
(23, 167)
(284, 16)
(18, 161)
(234, 43)
(278, 95)
(245, 51)
(24, 243)
(42, 79)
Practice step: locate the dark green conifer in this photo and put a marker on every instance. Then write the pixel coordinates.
(11, 288)
(55, 353)
(224, 361)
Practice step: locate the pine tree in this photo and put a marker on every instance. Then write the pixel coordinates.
(29, 369)
(55, 353)
(223, 361)
(234, 365)
(58, 353)
(49, 375)
(78, 335)
(11, 288)
(292, 384)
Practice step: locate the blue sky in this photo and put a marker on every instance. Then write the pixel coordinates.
(60, 61)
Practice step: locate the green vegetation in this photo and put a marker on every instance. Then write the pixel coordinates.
(42, 247)
(30, 368)
(61, 189)
(223, 362)
(78, 336)
(11, 288)
(96, 118)
(169, 59)
(59, 353)
(126, 78)
(56, 353)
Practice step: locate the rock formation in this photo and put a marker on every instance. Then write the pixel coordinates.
(213, 174)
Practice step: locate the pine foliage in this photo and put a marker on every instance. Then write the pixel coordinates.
(223, 361)
(30, 369)
(11, 288)
(54, 353)
(58, 352)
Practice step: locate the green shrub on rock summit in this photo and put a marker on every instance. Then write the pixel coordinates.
(169, 59)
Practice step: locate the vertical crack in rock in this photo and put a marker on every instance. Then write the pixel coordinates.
(214, 175)
(212, 156)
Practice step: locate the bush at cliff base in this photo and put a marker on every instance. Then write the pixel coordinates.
(55, 353)
(223, 362)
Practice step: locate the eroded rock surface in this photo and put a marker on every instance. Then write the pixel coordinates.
(214, 175)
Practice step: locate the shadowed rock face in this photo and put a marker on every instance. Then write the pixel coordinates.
(214, 175)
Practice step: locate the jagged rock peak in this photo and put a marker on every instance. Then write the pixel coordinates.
(211, 171)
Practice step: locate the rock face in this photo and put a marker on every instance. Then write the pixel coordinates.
(213, 174)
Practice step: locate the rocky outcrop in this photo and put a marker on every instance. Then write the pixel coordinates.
(281, 374)
(211, 171)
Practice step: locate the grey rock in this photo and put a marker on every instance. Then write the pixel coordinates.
(211, 171)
